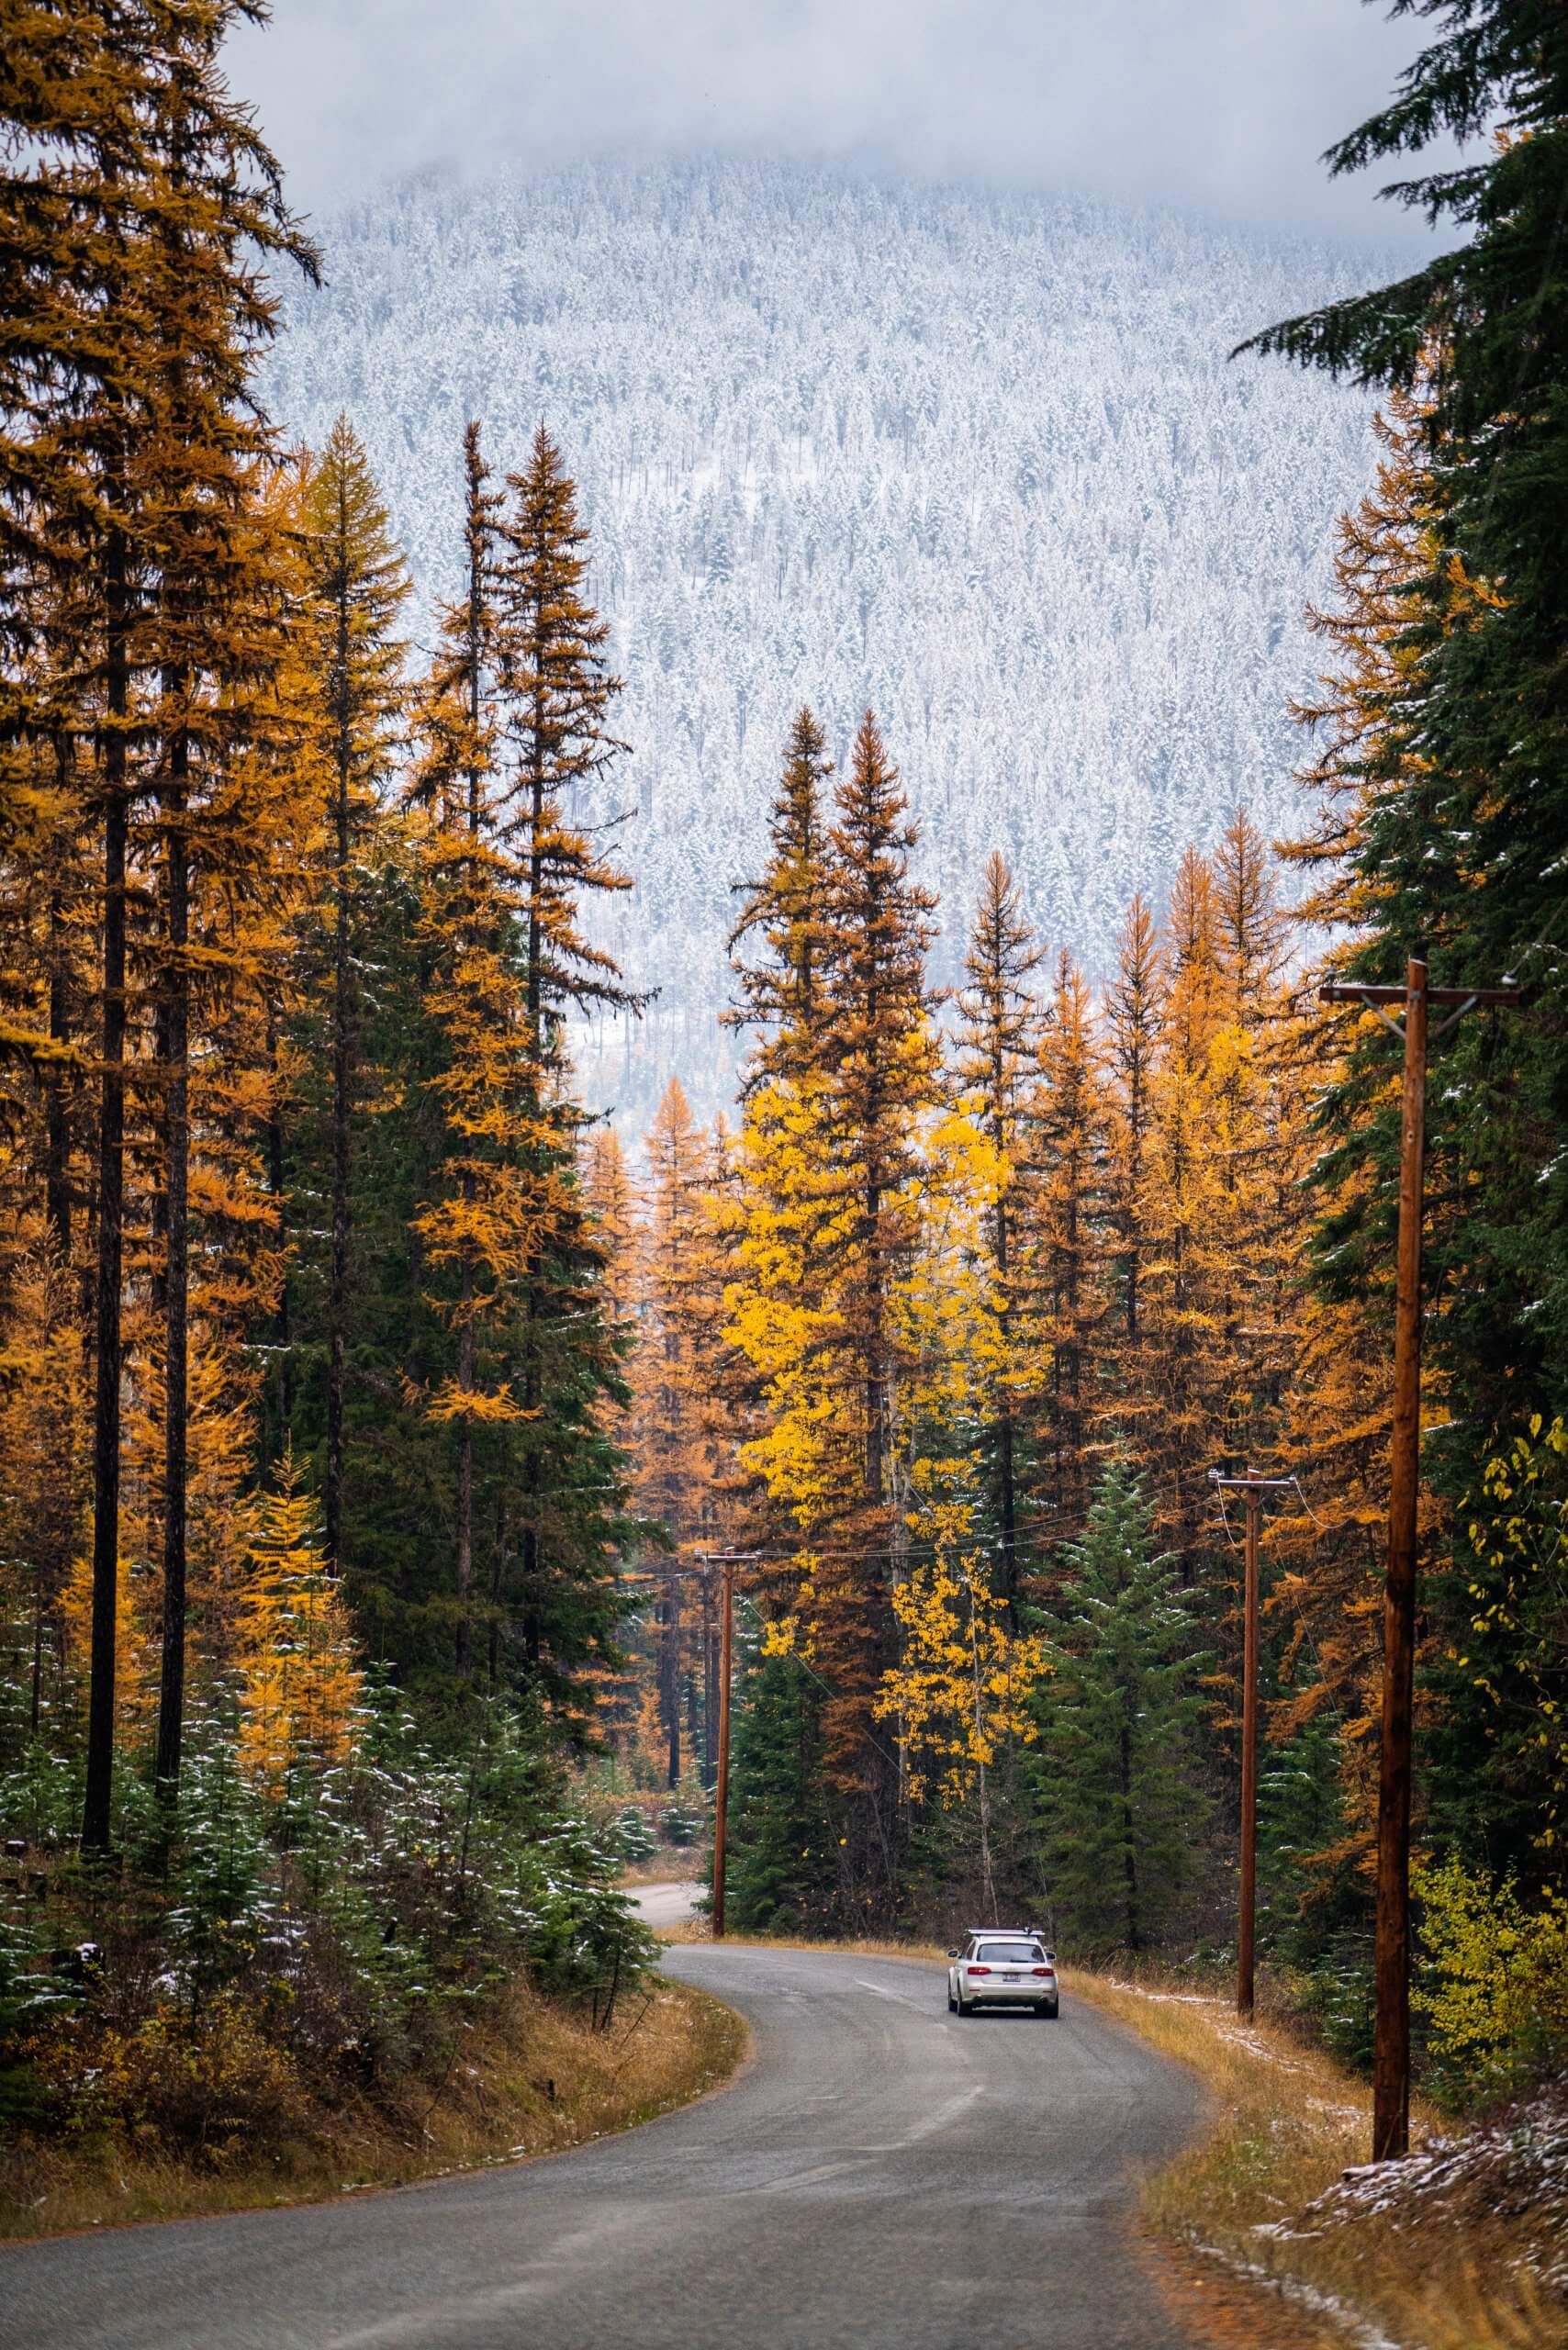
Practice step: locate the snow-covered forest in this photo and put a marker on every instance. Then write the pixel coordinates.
(980, 461)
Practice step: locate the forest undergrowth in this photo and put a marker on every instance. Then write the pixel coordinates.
(532, 2076)
(1461, 2246)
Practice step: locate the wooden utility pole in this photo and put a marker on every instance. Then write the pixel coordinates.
(1391, 2046)
(721, 1785)
(726, 1562)
(1251, 1487)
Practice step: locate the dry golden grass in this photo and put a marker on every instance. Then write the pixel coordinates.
(698, 1929)
(1288, 2123)
(532, 2079)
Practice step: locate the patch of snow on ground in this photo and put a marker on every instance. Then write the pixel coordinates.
(1359, 2330)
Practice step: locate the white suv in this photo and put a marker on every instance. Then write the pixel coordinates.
(998, 1969)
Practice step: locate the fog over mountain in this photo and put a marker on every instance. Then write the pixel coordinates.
(981, 462)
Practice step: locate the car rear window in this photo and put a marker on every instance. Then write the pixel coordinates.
(1009, 1954)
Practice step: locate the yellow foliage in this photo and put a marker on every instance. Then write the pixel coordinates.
(43, 1416)
(963, 1684)
(1521, 1540)
(780, 1319)
(300, 1682)
(1495, 1979)
(136, 1648)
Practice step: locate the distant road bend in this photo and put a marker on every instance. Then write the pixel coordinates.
(885, 2176)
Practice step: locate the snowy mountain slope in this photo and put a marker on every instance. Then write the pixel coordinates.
(981, 462)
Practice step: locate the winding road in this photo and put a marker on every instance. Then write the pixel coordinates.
(882, 2177)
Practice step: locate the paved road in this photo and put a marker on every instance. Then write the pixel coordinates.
(884, 2177)
(667, 1904)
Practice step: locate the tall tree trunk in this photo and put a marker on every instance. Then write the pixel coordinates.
(337, 1280)
(465, 1347)
(1007, 1474)
(57, 1219)
(669, 1681)
(532, 1374)
(57, 1104)
(111, 1218)
(176, 1300)
(497, 1562)
(283, 1335)
(1129, 1849)
(465, 1477)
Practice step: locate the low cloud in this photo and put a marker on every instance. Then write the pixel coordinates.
(1220, 107)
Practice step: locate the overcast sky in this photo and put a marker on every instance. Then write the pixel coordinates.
(1220, 106)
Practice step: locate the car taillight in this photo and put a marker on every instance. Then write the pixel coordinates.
(977, 1970)
(1049, 1972)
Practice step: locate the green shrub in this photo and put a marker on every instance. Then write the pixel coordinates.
(634, 1839)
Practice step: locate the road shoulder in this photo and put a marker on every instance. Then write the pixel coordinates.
(534, 2079)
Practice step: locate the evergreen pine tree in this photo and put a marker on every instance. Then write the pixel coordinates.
(1068, 1148)
(1134, 1026)
(883, 1080)
(482, 1224)
(883, 1084)
(554, 692)
(1455, 847)
(782, 1874)
(356, 589)
(997, 1043)
(1118, 1721)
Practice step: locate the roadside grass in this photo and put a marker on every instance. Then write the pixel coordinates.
(698, 1929)
(1276, 2248)
(532, 2077)
(665, 1868)
(1392, 2261)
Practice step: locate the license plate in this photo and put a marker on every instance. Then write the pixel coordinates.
(1011, 1978)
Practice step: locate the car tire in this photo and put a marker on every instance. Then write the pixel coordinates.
(952, 2003)
(964, 2006)
(1048, 2009)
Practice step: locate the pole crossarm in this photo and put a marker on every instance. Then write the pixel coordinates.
(1456, 1001)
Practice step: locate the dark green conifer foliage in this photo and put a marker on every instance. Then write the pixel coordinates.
(782, 1874)
(468, 915)
(884, 1076)
(567, 1517)
(1460, 842)
(1122, 1802)
(397, 1476)
(998, 1044)
(1300, 1817)
(357, 585)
